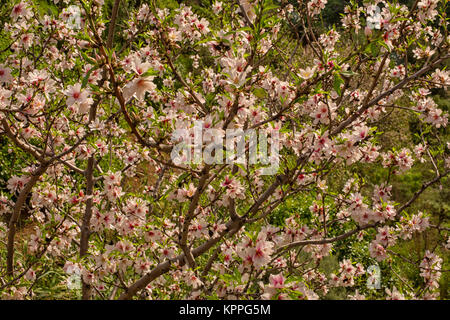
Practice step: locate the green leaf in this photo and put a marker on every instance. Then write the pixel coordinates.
(203, 41)
(348, 73)
(381, 42)
(86, 77)
(270, 7)
(337, 83)
(150, 72)
(182, 178)
(87, 58)
(260, 93)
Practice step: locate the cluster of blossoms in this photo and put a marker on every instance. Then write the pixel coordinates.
(316, 6)
(417, 223)
(430, 113)
(347, 273)
(427, 9)
(257, 254)
(78, 100)
(401, 160)
(430, 269)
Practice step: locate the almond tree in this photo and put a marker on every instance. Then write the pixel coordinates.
(90, 108)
